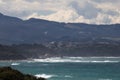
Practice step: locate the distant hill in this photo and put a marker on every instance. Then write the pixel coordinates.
(37, 38)
(31, 51)
(16, 31)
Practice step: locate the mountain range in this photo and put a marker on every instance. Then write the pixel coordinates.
(37, 38)
(16, 31)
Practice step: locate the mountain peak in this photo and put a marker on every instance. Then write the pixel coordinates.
(36, 19)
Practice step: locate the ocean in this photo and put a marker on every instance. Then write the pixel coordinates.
(70, 68)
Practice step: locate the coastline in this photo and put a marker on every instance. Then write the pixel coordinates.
(8, 73)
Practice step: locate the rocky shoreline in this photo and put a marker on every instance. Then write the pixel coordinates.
(7, 73)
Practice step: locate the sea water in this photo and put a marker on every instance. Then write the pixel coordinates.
(70, 68)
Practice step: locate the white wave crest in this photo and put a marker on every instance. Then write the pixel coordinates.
(104, 79)
(44, 76)
(68, 76)
(80, 59)
(14, 64)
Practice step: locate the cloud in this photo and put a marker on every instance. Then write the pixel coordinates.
(61, 16)
(87, 11)
(107, 1)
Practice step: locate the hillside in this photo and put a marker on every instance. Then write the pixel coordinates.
(37, 38)
(31, 51)
(16, 31)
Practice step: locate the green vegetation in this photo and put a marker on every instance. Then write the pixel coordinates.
(7, 73)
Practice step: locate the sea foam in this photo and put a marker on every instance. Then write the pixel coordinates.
(80, 59)
(44, 76)
(15, 64)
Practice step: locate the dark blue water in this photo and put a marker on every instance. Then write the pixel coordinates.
(69, 70)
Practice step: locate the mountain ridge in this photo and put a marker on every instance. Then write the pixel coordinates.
(32, 18)
(37, 38)
(16, 31)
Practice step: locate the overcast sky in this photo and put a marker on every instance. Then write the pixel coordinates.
(86, 11)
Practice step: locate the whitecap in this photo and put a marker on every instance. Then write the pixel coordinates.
(104, 79)
(79, 60)
(68, 76)
(14, 64)
(44, 76)
(105, 61)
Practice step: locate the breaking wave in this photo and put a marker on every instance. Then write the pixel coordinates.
(44, 76)
(104, 79)
(15, 64)
(68, 76)
(80, 59)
